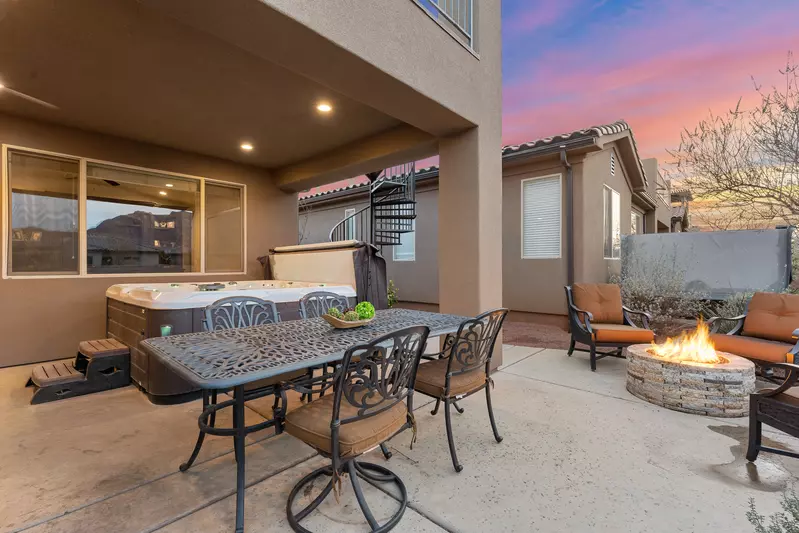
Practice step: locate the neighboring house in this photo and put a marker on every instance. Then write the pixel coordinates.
(120, 118)
(613, 193)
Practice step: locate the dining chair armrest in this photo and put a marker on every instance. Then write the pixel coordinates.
(645, 317)
(714, 324)
(790, 380)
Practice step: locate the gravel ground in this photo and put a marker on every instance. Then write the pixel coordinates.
(539, 335)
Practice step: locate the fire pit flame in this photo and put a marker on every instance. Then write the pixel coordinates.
(696, 347)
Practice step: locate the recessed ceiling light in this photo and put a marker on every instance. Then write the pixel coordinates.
(2, 86)
(169, 185)
(247, 147)
(324, 107)
(162, 193)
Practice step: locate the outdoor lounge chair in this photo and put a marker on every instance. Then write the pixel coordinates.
(776, 408)
(239, 312)
(462, 369)
(766, 333)
(598, 319)
(372, 401)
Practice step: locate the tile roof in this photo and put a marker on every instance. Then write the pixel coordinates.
(593, 132)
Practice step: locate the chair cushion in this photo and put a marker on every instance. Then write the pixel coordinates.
(602, 300)
(431, 377)
(622, 334)
(752, 348)
(275, 380)
(772, 316)
(311, 424)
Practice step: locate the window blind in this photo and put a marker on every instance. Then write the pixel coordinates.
(541, 218)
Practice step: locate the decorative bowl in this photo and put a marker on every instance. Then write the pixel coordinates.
(344, 324)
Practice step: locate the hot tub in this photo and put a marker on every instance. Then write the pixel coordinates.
(137, 311)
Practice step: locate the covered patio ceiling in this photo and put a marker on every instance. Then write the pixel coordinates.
(125, 68)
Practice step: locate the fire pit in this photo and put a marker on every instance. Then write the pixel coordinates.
(688, 375)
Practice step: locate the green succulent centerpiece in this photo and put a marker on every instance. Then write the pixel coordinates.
(360, 315)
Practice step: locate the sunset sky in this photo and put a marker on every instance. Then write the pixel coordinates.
(659, 64)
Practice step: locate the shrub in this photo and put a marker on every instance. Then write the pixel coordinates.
(785, 521)
(658, 287)
(365, 310)
(392, 294)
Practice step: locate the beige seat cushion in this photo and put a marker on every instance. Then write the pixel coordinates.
(622, 334)
(311, 424)
(602, 300)
(772, 316)
(102, 347)
(753, 348)
(431, 377)
(275, 380)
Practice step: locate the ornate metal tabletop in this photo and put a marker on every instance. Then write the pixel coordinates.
(227, 358)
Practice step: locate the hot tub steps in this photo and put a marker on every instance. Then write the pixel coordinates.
(99, 365)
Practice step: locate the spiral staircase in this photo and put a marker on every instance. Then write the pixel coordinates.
(390, 213)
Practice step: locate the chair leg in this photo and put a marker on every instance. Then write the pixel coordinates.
(593, 358)
(571, 348)
(238, 444)
(356, 486)
(458, 407)
(200, 438)
(491, 413)
(755, 436)
(434, 412)
(386, 453)
(450, 441)
(212, 420)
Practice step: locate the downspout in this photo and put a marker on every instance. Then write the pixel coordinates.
(569, 216)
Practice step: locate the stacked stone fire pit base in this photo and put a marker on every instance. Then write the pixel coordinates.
(713, 390)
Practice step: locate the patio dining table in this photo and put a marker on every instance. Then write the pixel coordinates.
(233, 358)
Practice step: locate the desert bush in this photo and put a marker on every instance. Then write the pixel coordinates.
(785, 521)
(732, 306)
(658, 287)
(392, 294)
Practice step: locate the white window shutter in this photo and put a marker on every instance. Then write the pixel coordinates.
(541, 218)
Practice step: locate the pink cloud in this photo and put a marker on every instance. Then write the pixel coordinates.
(542, 14)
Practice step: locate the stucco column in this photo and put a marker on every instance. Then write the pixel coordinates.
(470, 224)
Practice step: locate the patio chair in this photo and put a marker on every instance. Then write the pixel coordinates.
(776, 408)
(372, 401)
(240, 312)
(462, 369)
(317, 303)
(598, 319)
(766, 334)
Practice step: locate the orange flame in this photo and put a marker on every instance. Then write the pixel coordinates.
(696, 347)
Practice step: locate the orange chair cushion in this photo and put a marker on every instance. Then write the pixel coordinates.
(431, 377)
(311, 424)
(602, 300)
(622, 334)
(772, 316)
(753, 348)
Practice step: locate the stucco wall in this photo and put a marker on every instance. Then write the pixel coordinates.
(44, 319)
(593, 267)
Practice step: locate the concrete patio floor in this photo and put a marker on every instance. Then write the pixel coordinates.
(579, 454)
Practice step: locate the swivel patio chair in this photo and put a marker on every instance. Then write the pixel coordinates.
(766, 334)
(776, 408)
(462, 369)
(240, 312)
(598, 319)
(372, 401)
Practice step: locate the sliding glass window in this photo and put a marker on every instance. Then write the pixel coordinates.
(137, 221)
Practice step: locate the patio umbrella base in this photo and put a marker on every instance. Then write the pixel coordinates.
(367, 471)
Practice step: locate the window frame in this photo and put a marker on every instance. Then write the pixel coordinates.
(640, 215)
(605, 221)
(560, 218)
(405, 259)
(82, 224)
